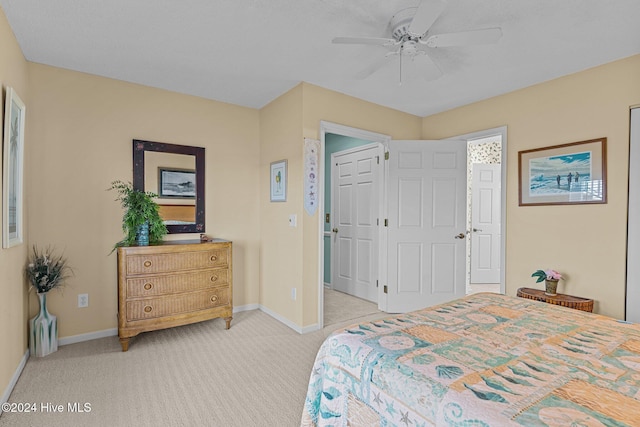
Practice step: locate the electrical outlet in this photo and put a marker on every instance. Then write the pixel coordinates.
(293, 294)
(83, 300)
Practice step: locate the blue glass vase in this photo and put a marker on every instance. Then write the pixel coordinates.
(43, 336)
(142, 234)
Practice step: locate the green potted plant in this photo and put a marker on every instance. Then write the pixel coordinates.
(550, 278)
(141, 222)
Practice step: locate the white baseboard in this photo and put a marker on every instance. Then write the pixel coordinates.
(247, 307)
(114, 331)
(88, 336)
(14, 379)
(281, 319)
(289, 323)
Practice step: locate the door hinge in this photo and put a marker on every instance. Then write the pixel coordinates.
(378, 160)
(384, 288)
(376, 283)
(386, 222)
(386, 155)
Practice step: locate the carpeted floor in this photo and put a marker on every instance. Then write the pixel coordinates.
(254, 374)
(340, 307)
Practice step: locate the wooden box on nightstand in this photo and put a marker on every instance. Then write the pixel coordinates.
(569, 301)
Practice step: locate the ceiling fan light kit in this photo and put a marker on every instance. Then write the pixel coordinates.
(410, 29)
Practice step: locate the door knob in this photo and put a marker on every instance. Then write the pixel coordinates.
(460, 236)
(335, 230)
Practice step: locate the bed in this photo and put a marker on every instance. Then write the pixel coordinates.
(483, 360)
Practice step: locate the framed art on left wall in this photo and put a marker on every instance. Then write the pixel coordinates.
(12, 169)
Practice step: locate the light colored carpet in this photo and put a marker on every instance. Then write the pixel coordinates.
(340, 307)
(254, 374)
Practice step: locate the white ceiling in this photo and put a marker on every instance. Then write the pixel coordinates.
(248, 52)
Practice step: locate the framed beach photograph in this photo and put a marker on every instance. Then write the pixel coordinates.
(567, 174)
(12, 169)
(176, 183)
(279, 181)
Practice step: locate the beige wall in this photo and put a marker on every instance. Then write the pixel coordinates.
(82, 140)
(13, 302)
(281, 245)
(325, 105)
(585, 242)
(290, 255)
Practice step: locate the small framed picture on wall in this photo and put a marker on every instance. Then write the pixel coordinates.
(279, 181)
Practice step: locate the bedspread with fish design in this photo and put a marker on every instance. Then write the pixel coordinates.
(483, 360)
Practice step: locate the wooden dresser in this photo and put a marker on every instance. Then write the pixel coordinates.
(171, 284)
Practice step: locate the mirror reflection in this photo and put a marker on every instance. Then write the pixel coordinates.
(172, 178)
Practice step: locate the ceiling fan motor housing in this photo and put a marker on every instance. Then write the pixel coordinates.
(400, 23)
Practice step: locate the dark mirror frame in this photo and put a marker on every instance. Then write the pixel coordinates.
(139, 148)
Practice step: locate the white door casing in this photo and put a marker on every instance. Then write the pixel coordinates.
(355, 206)
(426, 201)
(485, 230)
(632, 311)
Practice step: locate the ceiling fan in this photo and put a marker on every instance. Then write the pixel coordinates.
(412, 39)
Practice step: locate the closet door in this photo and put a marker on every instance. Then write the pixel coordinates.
(633, 241)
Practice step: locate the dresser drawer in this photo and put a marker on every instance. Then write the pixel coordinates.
(151, 308)
(170, 262)
(176, 283)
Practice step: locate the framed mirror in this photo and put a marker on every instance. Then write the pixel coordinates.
(176, 174)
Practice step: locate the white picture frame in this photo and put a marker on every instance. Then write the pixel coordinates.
(278, 179)
(12, 169)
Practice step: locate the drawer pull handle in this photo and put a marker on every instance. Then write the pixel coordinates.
(148, 308)
(214, 298)
(214, 278)
(214, 258)
(147, 263)
(148, 286)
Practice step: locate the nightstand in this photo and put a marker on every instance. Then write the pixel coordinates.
(578, 303)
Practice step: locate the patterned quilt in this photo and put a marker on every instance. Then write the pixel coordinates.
(483, 360)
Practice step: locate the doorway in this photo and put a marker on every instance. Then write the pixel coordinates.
(356, 176)
(484, 213)
(329, 130)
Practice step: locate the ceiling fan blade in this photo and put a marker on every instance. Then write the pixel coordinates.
(464, 38)
(363, 74)
(428, 69)
(426, 15)
(378, 41)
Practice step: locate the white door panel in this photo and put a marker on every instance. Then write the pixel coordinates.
(426, 211)
(485, 223)
(356, 179)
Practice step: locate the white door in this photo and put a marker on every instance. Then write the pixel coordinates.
(426, 193)
(485, 223)
(355, 207)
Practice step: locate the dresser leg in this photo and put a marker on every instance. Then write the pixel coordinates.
(228, 320)
(124, 342)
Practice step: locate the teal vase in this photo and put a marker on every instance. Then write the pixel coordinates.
(43, 336)
(142, 234)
